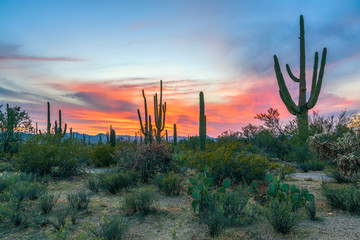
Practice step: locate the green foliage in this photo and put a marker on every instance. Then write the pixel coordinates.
(124, 155)
(153, 158)
(310, 208)
(232, 160)
(61, 215)
(281, 216)
(139, 201)
(332, 172)
(102, 155)
(15, 208)
(284, 192)
(93, 183)
(169, 184)
(51, 155)
(79, 200)
(6, 167)
(110, 228)
(116, 182)
(346, 198)
(62, 233)
(213, 219)
(13, 121)
(47, 202)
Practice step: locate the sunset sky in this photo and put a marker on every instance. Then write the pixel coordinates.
(92, 59)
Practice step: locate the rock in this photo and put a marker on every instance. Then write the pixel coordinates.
(308, 179)
(331, 214)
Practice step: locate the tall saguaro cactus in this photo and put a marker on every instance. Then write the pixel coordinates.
(58, 129)
(175, 136)
(301, 110)
(112, 137)
(48, 119)
(202, 123)
(159, 113)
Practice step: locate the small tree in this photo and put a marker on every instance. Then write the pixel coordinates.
(13, 121)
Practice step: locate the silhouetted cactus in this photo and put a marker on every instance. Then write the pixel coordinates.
(112, 137)
(48, 119)
(58, 129)
(147, 129)
(166, 136)
(301, 110)
(202, 123)
(159, 113)
(175, 135)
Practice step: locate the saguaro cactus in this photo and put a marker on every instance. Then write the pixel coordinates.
(48, 130)
(301, 110)
(175, 135)
(202, 123)
(147, 129)
(159, 113)
(58, 129)
(112, 137)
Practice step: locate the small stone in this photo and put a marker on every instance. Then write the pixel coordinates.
(331, 214)
(308, 179)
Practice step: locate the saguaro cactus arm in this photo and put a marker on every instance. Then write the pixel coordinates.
(284, 92)
(292, 76)
(315, 91)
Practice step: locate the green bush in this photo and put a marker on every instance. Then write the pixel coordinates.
(15, 208)
(61, 215)
(345, 198)
(93, 183)
(102, 155)
(281, 216)
(214, 219)
(169, 184)
(7, 179)
(51, 155)
(310, 208)
(116, 182)
(234, 204)
(110, 228)
(79, 200)
(6, 167)
(139, 201)
(232, 160)
(332, 172)
(47, 202)
(153, 158)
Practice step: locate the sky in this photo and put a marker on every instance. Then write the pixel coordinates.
(91, 59)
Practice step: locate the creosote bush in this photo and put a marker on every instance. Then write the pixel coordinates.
(117, 181)
(281, 216)
(61, 215)
(102, 155)
(93, 183)
(110, 228)
(47, 202)
(169, 184)
(79, 200)
(310, 208)
(140, 201)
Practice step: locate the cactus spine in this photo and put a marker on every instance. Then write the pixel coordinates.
(202, 123)
(112, 137)
(159, 113)
(175, 135)
(301, 110)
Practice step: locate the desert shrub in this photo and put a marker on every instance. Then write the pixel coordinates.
(231, 160)
(61, 215)
(281, 216)
(139, 201)
(169, 184)
(6, 167)
(62, 233)
(93, 183)
(282, 169)
(79, 200)
(310, 208)
(47, 202)
(110, 228)
(234, 204)
(214, 219)
(346, 198)
(24, 190)
(116, 182)
(152, 158)
(316, 164)
(7, 179)
(304, 166)
(124, 155)
(102, 155)
(16, 209)
(332, 172)
(51, 155)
